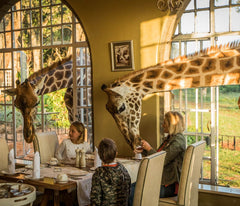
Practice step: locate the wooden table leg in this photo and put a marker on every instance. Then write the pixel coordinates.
(56, 198)
(45, 199)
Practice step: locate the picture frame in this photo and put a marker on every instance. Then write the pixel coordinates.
(122, 55)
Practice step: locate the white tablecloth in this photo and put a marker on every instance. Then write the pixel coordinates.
(84, 184)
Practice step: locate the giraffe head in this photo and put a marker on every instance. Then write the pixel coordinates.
(26, 101)
(124, 104)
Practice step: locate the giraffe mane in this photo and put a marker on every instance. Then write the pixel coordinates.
(210, 51)
(49, 68)
(127, 76)
(205, 52)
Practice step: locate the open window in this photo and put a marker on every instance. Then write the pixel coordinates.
(208, 110)
(33, 34)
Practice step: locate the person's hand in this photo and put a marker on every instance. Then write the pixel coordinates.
(146, 146)
(138, 149)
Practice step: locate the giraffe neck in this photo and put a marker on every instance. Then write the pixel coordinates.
(57, 76)
(220, 68)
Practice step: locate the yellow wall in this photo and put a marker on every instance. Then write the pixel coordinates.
(120, 20)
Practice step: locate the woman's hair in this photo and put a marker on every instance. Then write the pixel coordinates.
(107, 150)
(80, 128)
(175, 122)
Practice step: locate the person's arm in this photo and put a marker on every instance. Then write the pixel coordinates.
(177, 146)
(146, 149)
(60, 150)
(96, 193)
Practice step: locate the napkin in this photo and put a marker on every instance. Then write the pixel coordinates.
(97, 160)
(36, 166)
(11, 162)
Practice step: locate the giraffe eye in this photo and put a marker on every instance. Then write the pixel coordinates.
(121, 109)
(116, 84)
(37, 104)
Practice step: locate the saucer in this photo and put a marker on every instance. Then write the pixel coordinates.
(134, 158)
(77, 173)
(62, 182)
(53, 163)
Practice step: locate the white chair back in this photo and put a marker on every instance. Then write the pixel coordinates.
(189, 181)
(148, 184)
(48, 143)
(3, 154)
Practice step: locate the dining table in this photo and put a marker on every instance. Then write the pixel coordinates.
(79, 179)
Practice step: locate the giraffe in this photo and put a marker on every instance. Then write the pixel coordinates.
(52, 78)
(212, 67)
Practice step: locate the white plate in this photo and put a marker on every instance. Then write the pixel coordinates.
(31, 178)
(76, 177)
(8, 173)
(92, 168)
(78, 173)
(61, 182)
(29, 166)
(90, 156)
(69, 162)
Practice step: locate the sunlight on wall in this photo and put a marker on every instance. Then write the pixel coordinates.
(149, 40)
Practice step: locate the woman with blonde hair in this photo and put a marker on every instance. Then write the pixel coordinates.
(174, 145)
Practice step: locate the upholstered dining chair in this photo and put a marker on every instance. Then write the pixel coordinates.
(148, 184)
(189, 180)
(48, 143)
(3, 154)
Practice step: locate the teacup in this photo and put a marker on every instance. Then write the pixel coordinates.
(62, 178)
(138, 156)
(53, 161)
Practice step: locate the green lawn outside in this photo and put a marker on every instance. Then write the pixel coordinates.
(229, 124)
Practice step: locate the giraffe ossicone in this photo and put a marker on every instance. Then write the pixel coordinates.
(50, 79)
(213, 67)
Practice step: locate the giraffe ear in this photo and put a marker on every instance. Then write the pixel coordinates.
(11, 92)
(112, 93)
(109, 91)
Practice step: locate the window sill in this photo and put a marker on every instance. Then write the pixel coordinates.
(220, 190)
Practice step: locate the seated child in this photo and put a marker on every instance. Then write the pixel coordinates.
(111, 182)
(66, 150)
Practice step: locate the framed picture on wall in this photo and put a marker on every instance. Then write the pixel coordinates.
(122, 56)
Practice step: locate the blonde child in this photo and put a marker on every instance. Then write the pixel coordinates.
(66, 150)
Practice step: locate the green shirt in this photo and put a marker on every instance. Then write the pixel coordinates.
(175, 150)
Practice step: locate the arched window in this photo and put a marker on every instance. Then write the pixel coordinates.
(206, 23)
(33, 34)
